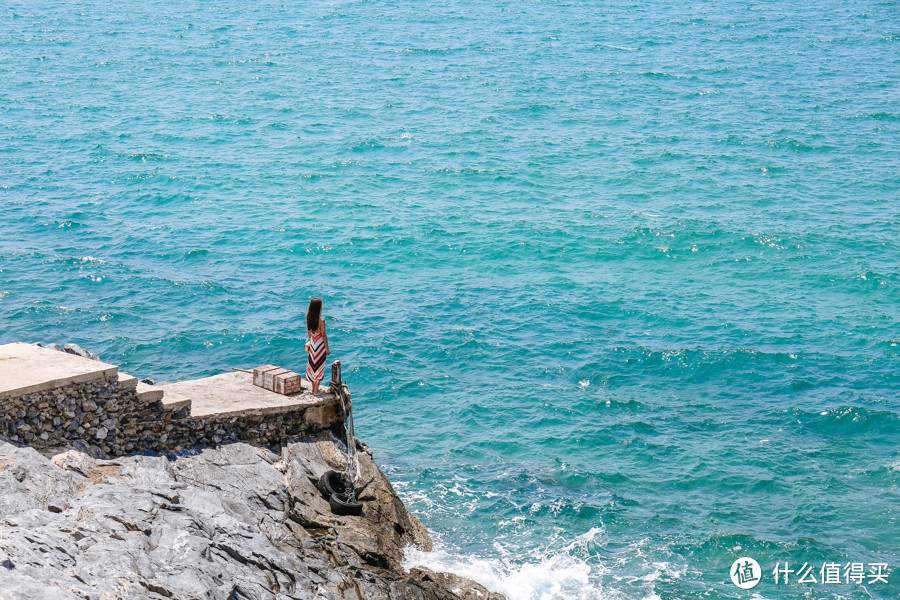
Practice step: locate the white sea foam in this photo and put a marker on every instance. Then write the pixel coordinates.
(615, 47)
(663, 568)
(556, 576)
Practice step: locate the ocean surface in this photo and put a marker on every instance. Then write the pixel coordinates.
(616, 286)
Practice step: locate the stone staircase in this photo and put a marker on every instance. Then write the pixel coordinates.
(170, 400)
(50, 398)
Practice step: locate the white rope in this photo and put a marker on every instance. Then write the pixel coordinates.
(352, 473)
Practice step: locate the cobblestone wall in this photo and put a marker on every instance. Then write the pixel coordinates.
(115, 420)
(89, 411)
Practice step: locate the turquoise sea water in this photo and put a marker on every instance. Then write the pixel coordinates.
(616, 285)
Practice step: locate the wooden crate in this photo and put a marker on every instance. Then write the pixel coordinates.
(276, 379)
(287, 383)
(269, 378)
(258, 374)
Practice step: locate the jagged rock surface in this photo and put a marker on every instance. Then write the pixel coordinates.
(231, 522)
(79, 351)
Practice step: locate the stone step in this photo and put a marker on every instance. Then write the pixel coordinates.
(172, 401)
(149, 393)
(127, 382)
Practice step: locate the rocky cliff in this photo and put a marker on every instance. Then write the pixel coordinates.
(227, 522)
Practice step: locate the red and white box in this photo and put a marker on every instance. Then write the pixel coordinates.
(258, 373)
(287, 383)
(269, 378)
(278, 380)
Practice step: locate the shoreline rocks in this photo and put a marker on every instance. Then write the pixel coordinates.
(233, 521)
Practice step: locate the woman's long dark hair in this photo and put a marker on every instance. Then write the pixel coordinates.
(312, 315)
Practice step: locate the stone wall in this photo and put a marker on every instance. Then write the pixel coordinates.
(112, 417)
(89, 411)
(268, 429)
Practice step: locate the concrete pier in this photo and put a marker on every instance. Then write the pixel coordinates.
(48, 398)
(28, 368)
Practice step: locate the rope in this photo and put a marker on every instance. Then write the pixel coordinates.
(352, 472)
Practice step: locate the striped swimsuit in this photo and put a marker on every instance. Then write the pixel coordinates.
(315, 366)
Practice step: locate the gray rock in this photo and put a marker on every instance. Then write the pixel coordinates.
(79, 351)
(229, 522)
(51, 346)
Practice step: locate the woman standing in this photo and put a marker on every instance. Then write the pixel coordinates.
(317, 344)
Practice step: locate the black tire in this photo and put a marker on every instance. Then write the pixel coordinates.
(331, 482)
(341, 505)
